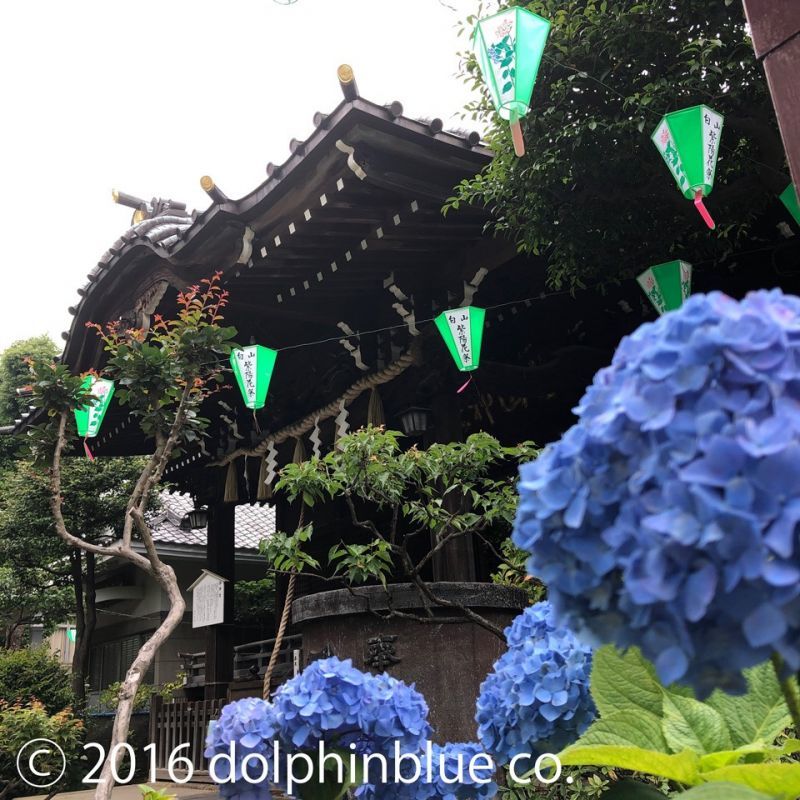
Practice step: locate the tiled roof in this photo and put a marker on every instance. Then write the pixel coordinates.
(253, 523)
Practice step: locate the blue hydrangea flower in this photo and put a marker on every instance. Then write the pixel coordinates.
(450, 777)
(667, 516)
(333, 701)
(252, 725)
(536, 699)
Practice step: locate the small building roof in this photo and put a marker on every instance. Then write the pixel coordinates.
(253, 523)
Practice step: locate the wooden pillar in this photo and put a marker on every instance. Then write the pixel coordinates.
(221, 558)
(455, 561)
(775, 28)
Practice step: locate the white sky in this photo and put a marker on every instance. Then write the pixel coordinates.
(147, 96)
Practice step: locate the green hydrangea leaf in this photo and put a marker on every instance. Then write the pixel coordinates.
(623, 728)
(680, 767)
(688, 723)
(722, 758)
(775, 780)
(761, 715)
(625, 682)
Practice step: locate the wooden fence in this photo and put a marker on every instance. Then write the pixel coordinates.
(179, 722)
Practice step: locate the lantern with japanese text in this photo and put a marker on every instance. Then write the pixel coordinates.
(89, 418)
(789, 198)
(667, 285)
(462, 331)
(509, 48)
(253, 368)
(688, 141)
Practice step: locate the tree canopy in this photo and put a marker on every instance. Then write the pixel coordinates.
(592, 195)
(15, 373)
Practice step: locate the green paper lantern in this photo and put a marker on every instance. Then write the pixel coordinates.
(688, 141)
(90, 418)
(667, 285)
(509, 48)
(253, 368)
(789, 199)
(462, 331)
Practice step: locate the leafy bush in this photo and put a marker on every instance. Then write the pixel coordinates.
(666, 733)
(109, 697)
(19, 723)
(34, 674)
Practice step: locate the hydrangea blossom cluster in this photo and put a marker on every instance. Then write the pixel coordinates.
(333, 701)
(450, 777)
(329, 701)
(252, 725)
(667, 516)
(537, 697)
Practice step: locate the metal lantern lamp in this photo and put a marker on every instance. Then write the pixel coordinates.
(196, 519)
(415, 420)
(509, 48)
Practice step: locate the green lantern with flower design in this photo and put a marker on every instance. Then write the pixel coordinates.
(509, 48)
(688, 141)
(667, 285)
(89, 418)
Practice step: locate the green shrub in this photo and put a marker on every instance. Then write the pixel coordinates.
(34, 674)
(109, 697)
(19, 724)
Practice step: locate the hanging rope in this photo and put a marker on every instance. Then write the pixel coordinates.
(299, 455)
(376, 416)
(231, 484)
(264, 491)
(410, 357)
(273, 659)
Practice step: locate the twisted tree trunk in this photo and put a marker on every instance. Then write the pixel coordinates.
(151, 564)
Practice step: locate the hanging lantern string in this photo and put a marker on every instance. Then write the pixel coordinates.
(651, 111)
(403, 325)
(494, 307)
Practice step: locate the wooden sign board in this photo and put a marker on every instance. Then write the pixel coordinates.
(208, 600)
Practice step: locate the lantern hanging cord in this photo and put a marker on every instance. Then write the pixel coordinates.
(493, 307)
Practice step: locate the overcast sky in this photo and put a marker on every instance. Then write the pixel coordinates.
(148, 96)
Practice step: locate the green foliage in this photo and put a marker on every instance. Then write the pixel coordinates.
(285, 552)
(665, 732)
(254, 601)
(585, 785)
(592, 181)
(150, 793)
(30, 595)
(95, 495)
(20, 723)
(446, 491)
(109, 697)
(15, 373)
(175, 364)
(34, 674)
(35, 569)
(358, 563)
(513, 572)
